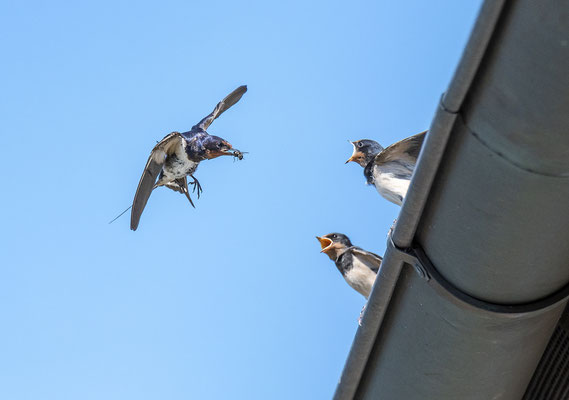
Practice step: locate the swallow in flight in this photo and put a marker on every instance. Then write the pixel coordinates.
(178, 155)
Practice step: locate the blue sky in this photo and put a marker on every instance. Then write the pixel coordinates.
(231, 299)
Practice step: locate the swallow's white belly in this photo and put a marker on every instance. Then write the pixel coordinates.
(176, 168)
(360, 277)
(178, 165)
(392, 183)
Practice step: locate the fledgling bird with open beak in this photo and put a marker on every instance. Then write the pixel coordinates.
(358, 266)
(389, 169)
(178, 155)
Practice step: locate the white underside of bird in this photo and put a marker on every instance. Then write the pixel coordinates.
(177, 166)
(360, 277)
(391, 188)
(392, 181)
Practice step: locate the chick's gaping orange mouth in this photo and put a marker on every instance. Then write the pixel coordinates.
(325, 243)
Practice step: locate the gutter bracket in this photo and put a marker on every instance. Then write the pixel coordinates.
(409, 256)
(416, 257)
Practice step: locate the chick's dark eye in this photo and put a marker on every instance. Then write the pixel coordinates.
(219, 145)
(360, 144)
(334, 236)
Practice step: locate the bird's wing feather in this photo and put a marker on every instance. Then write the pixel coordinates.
(370, 259)
(404, 150)
(222, 106)
(153, 167)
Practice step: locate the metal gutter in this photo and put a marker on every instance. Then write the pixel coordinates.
(456, 294)
(414, 202)
(443, 122)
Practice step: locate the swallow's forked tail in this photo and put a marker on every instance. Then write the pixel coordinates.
(120, 215)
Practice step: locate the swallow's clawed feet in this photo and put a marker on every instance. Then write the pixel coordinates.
(197, 186)
(362, 315)
(392, 228)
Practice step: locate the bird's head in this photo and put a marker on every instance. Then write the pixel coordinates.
(364, 151)
(214, 146)
(334, 244)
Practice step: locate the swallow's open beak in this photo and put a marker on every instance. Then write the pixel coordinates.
(355, 155)
(325, 243)
(229, 150)
(233, 152)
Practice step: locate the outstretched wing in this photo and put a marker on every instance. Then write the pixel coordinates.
(151, 171)
(222, 106)
(372, 260)
(406, 150)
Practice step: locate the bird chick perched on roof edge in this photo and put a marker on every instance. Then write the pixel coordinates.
(389, 169)
(358, 266)
(178, 155)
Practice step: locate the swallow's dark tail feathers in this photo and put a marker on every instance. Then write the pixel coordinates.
(145, 187)
(120, 215)
(180, 185)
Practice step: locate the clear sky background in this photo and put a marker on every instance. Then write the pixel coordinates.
(231, 300)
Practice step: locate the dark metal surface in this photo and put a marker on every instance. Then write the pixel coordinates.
(519, 104)
(365, 336)
(434, 348)
(495, 231)
(415, 200)
(506, 181)
(490, 209)
(443, 122)
(426, 270)
(468, 65)
(551, 378)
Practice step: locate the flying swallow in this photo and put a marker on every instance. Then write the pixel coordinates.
(389, 169)
(178, 155)
(358, 266)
